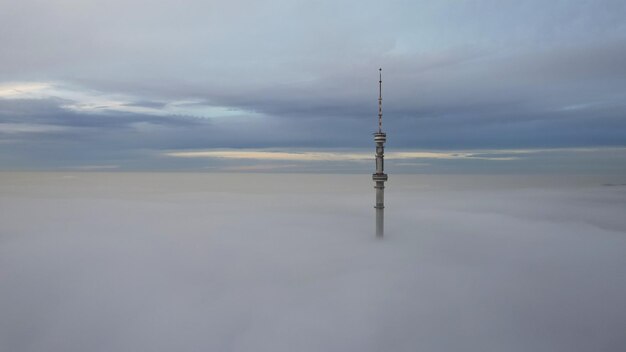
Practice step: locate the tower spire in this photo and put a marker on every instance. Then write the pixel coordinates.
(380, 100)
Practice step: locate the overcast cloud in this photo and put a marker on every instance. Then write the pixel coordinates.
(126, 81)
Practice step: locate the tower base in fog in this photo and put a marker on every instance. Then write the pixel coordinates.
(380, 203)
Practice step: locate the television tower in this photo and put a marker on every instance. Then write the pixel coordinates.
(380, 176)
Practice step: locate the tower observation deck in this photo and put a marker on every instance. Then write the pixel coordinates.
(380, 177)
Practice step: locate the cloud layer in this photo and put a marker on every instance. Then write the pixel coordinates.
(197, 262)
(149, 78)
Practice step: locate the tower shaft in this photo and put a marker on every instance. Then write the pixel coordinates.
(380, 177)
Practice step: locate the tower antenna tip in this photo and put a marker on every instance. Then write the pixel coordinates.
(380, 100)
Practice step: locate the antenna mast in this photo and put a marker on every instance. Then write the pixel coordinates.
(380, 100)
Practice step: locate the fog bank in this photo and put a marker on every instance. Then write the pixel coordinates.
(253, 262)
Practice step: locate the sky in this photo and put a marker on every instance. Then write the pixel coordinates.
(469, 86)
